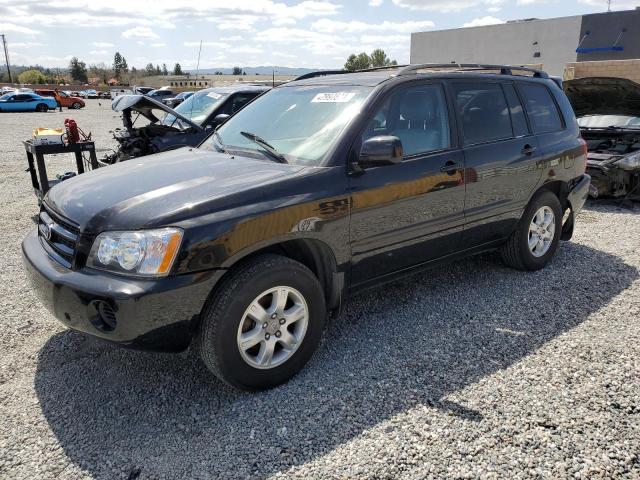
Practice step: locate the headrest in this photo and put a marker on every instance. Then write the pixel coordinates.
(417, 106)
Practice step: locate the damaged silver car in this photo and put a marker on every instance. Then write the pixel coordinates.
(608, 111)
(164, 128)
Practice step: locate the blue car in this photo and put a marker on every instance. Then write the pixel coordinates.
(26, 102)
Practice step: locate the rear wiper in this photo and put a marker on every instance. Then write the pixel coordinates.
(266, 146)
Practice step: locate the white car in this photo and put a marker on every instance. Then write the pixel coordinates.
(116, 92)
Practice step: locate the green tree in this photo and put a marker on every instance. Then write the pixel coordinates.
(236, 71)
(357, 62)
(379, 59)
(124, 66)
(78, 70)
(117, 65)
(32, 77)
(177, 70)
(150, 69)
(165, 72)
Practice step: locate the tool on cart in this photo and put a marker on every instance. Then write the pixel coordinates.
(54, 141)
(47, 136)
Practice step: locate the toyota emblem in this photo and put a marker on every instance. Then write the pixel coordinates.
(46, 230)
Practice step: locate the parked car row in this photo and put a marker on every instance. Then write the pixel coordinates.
(316, 189)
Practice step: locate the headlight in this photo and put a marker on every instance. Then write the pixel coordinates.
(144, 252)
(631, 162)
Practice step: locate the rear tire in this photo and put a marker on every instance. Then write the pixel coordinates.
(42, 107)
(263, 324)
(76, 105)
(536, 239)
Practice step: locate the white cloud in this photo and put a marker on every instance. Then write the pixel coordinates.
(447, 6)
(13, 45)
(375, 3)
(139, 32)
(326, 25)
(158, 44)
(102, 44)
(99, 53)
(615, 5)
(223, 45)
(10, 27)
(443, 6)
(483, 21)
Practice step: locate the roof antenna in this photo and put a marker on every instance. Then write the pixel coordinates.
(197, 71)
(608, 5)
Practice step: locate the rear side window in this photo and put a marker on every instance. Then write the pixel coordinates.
(542, 110)
(483, 111)
(518, 119)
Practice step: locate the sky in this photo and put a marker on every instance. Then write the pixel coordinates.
(295, 33)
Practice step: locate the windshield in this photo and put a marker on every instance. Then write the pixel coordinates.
(6, 96)
(196, 108)
(301, 123)
(604, 121)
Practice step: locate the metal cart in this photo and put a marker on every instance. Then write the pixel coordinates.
(39, 179)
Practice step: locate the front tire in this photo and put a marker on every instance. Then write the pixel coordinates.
(76, 105)
(263, 324)
(537, 237)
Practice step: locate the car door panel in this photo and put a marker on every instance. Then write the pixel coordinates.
(412, 212)
(501, 158)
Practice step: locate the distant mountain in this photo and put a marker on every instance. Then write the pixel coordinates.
(258, 70)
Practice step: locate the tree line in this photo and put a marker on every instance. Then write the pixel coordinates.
(362, 61)
(79, 72)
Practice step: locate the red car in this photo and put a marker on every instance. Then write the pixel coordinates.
(67, 100)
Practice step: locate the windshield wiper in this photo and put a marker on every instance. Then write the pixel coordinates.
(261, 142)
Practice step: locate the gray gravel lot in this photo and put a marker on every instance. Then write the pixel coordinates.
(467, 371)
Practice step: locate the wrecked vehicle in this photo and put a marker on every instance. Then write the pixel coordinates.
(188, 125)
(608, 111)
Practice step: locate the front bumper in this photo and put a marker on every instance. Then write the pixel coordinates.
(151, 314)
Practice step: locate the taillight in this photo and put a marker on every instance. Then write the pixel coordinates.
(585, 153)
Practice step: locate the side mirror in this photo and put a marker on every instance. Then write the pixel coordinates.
(220, 119)
(382, 150)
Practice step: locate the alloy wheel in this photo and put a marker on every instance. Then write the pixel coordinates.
(273, 327)
(542, 231)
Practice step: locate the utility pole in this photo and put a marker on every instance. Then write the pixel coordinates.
(6, 57)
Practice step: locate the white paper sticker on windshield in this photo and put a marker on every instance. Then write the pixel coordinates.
(214, 95)
(333, 97)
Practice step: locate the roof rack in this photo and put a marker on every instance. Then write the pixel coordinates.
(503, 69)
(322, 73)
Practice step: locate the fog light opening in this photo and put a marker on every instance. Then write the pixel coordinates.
(105, 318)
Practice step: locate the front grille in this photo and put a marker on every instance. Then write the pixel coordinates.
(59, 236)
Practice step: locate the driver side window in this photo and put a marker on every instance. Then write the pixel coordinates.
(417, 115)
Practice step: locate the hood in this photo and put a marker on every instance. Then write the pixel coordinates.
(163, 189)
(603, 96)
(145, 106)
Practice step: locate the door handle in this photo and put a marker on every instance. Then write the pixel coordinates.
(528, 150)
(449, 167)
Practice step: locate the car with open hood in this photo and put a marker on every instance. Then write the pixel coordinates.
(186, 125)
(321, 187)
(608, 111)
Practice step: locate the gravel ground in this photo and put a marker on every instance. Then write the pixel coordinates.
(468, 371)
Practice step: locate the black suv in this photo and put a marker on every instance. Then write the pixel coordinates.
(319, 188)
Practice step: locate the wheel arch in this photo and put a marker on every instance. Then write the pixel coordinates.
(315, 254)
(561, 190)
